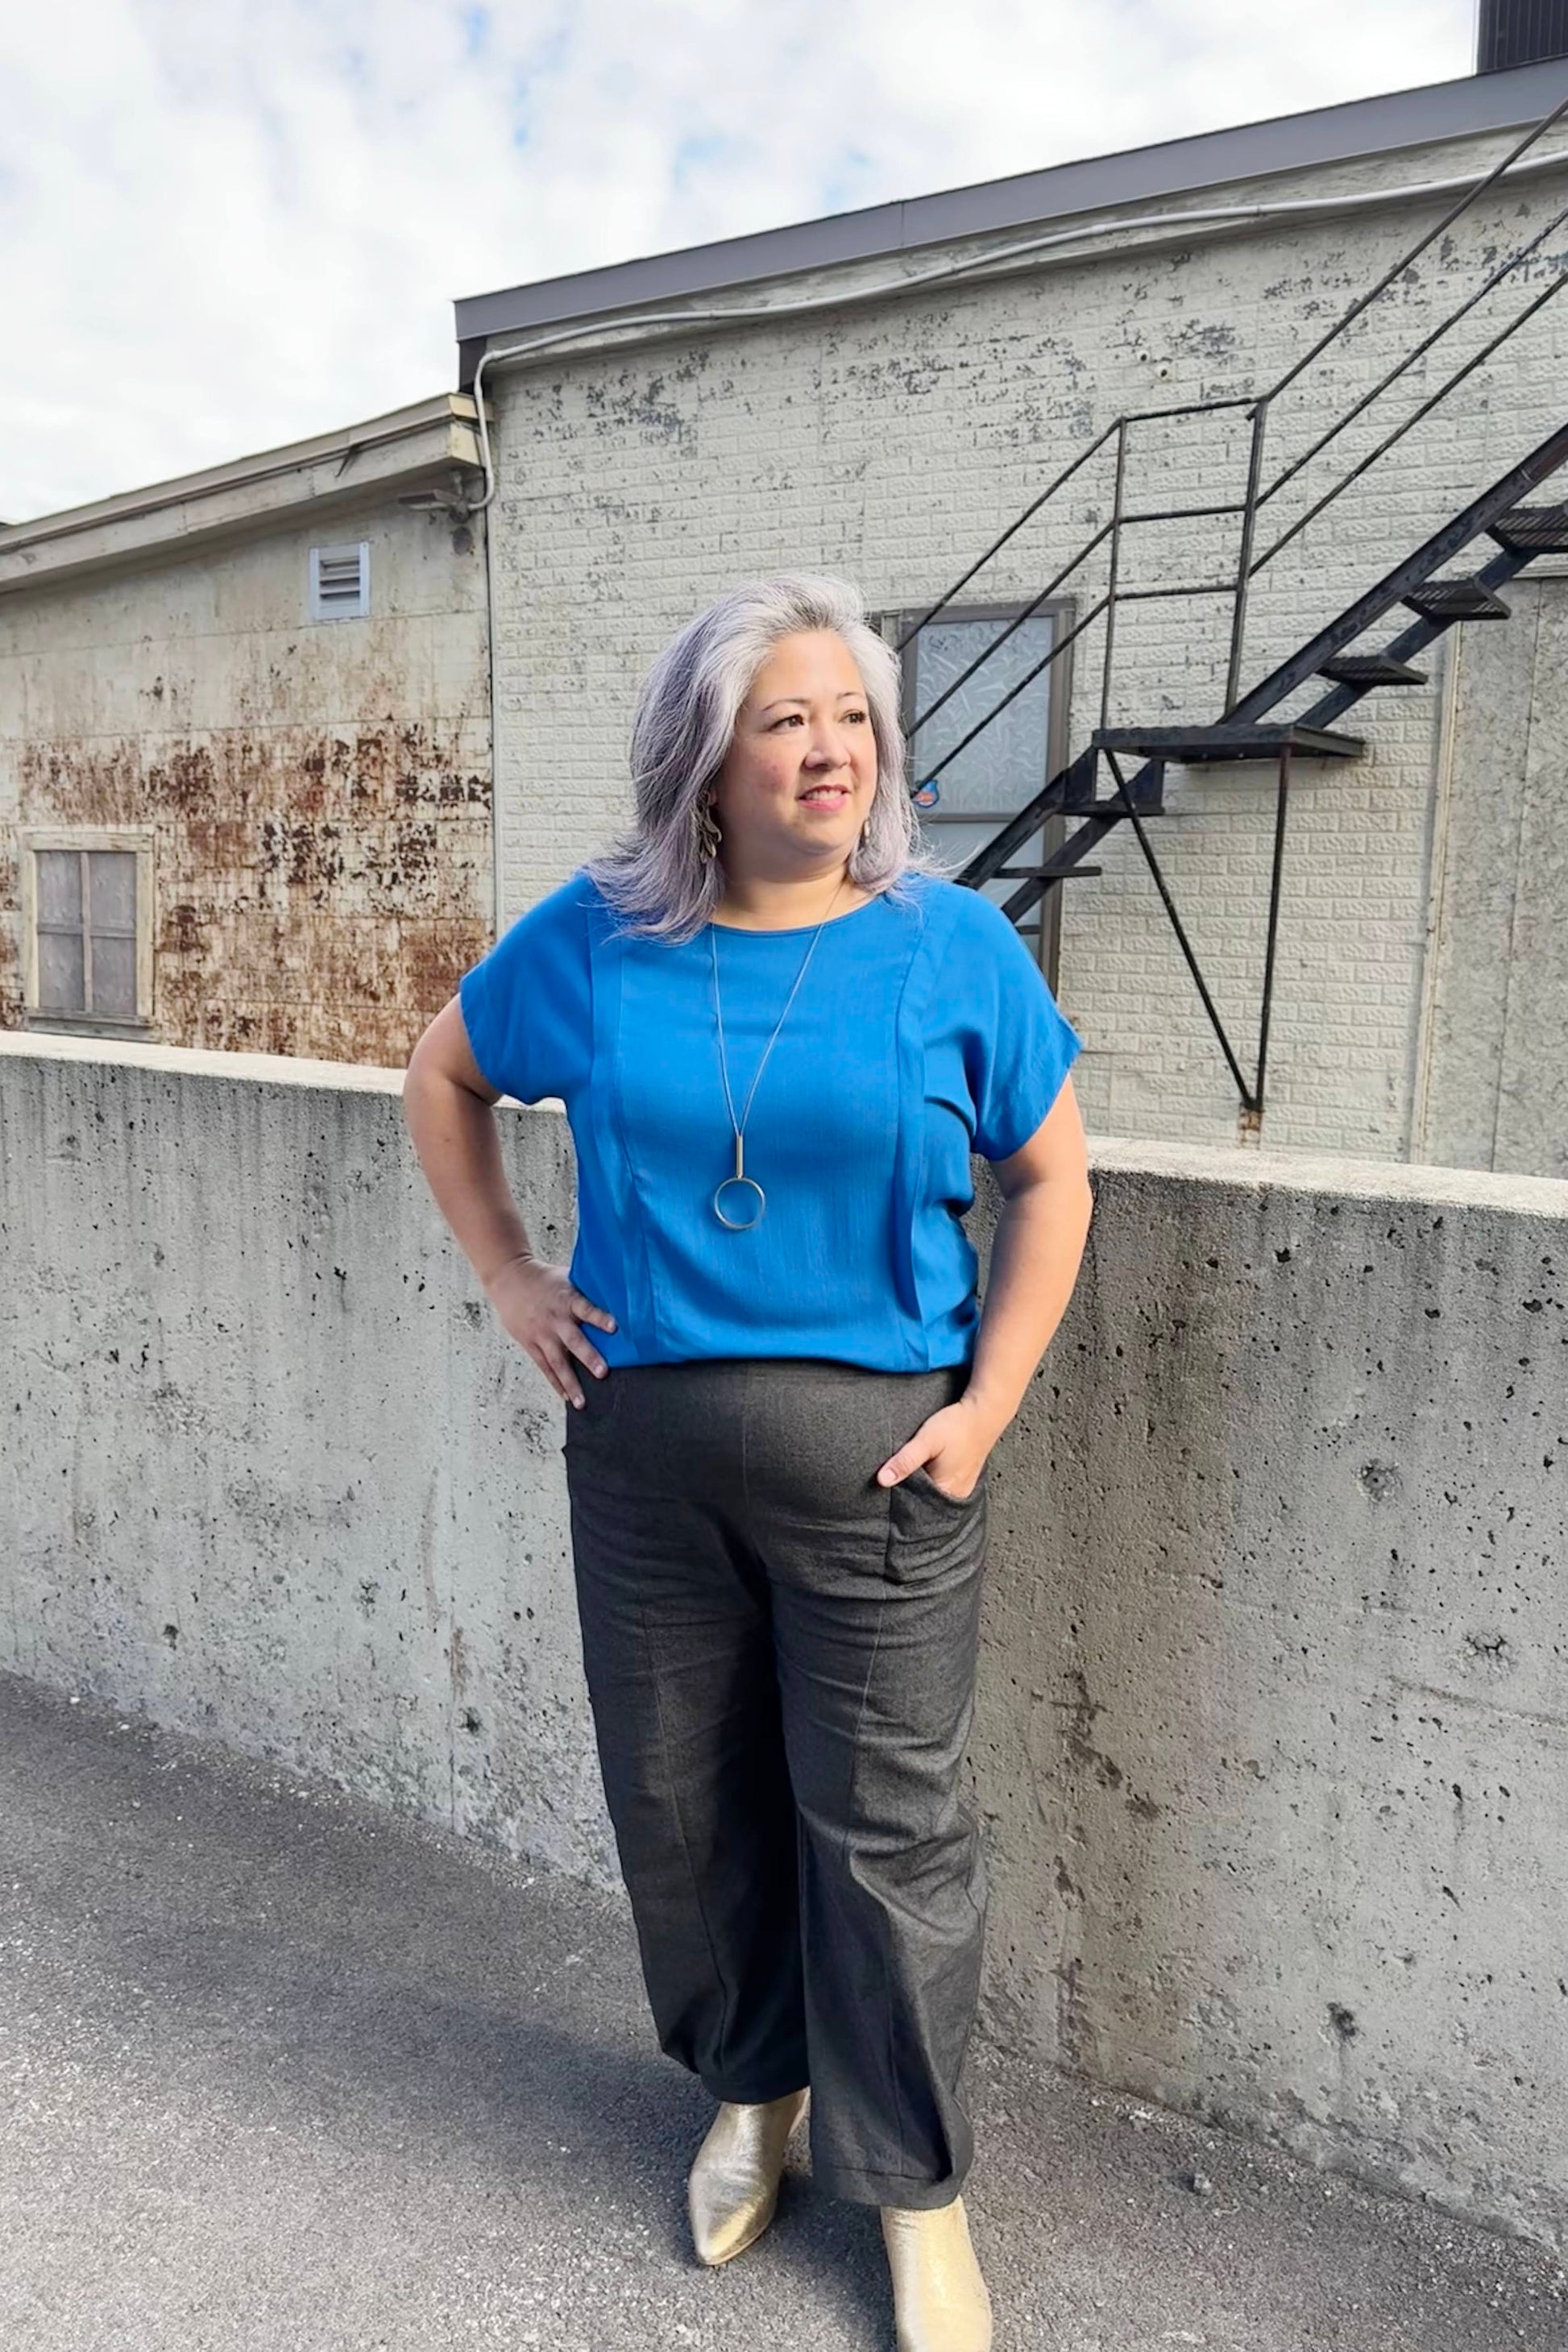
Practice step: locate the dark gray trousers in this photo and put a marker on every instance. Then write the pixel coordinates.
(780, 1656)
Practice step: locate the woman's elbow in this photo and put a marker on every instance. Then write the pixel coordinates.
(417, 1073)
(442, 1059)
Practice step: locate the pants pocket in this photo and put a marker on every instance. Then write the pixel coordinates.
(596, 1413)
(921, 1476)
(934, 1538)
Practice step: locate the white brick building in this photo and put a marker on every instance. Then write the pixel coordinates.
(925, 371)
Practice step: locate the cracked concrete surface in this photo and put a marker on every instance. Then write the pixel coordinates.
(281, 2069)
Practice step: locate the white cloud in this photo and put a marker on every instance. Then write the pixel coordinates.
(224, 226)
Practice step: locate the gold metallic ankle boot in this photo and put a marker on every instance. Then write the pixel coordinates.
(939, 2300)
(733, 2186)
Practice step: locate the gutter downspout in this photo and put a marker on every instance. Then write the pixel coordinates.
(494, 729)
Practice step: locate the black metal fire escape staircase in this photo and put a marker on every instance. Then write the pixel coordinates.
(1418, 586)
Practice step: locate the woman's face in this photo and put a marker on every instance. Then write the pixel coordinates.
(798, 780)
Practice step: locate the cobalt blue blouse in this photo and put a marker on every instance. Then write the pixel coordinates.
(923, 1031)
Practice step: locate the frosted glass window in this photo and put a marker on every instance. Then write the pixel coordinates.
(961, 807)
(1005, 765)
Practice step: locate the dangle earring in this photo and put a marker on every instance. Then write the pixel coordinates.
(708, 834)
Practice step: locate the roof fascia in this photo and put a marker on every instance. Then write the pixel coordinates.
(1353, 132)
(262, 492)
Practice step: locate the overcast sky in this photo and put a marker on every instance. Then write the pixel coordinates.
(225, 226)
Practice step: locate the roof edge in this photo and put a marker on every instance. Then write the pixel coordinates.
(413, 422)
(1467, 106)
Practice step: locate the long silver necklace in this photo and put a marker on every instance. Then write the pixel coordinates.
(746, 1224)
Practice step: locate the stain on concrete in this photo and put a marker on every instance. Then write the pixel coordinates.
(1081, 1710)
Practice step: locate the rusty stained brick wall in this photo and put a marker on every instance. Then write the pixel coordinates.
(317, 794)
(317, 890)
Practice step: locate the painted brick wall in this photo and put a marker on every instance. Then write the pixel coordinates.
(891, 441)
(318, 793)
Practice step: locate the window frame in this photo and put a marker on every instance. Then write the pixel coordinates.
(139, 843)
(889, 623)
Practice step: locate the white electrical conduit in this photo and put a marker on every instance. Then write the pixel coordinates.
(607, 333)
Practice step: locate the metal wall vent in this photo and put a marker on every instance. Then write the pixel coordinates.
(340, 582)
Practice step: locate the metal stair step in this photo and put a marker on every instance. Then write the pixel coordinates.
(1533, 530)
(1035, 872)
(1108, 811)
(1195, 745)
(1370, 669)
(1456, 600)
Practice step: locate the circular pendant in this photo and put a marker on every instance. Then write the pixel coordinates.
(740, 1224)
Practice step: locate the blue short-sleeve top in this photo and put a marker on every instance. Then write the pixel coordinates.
(922, 1032)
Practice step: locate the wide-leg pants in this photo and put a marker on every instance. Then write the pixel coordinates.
(780, 1654)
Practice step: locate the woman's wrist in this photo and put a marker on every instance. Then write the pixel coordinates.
(992, 1412)
(503, 1266)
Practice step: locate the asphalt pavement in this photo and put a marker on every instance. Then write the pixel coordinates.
(281, 2071)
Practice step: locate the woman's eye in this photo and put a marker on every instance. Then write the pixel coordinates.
(797, 718)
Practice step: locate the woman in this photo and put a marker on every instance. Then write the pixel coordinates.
(779, 1034)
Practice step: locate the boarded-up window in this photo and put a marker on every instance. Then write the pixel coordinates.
(86, 926)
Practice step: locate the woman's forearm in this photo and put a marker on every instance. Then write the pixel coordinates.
(458, 1148)
(1034, 1258)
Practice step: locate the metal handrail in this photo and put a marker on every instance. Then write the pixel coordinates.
(1119, 521)
(1028, 611)
(1408, 361)
(929, 775)
(1258, 493)
(1011, 532)
(1013, 625)
(1365, 301)
(1384, 446)
(1131, 416)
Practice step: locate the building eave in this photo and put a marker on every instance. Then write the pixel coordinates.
(1360, 129)
(404, 448)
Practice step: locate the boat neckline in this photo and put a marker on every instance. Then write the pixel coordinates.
(793, 930)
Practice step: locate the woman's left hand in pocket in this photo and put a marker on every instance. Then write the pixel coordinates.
(951, 1447)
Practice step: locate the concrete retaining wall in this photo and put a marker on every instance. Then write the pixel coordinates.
(1272, 1748)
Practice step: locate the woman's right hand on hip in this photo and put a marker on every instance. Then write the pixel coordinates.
(541, 1308)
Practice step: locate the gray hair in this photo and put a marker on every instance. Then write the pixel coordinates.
(653, 874)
